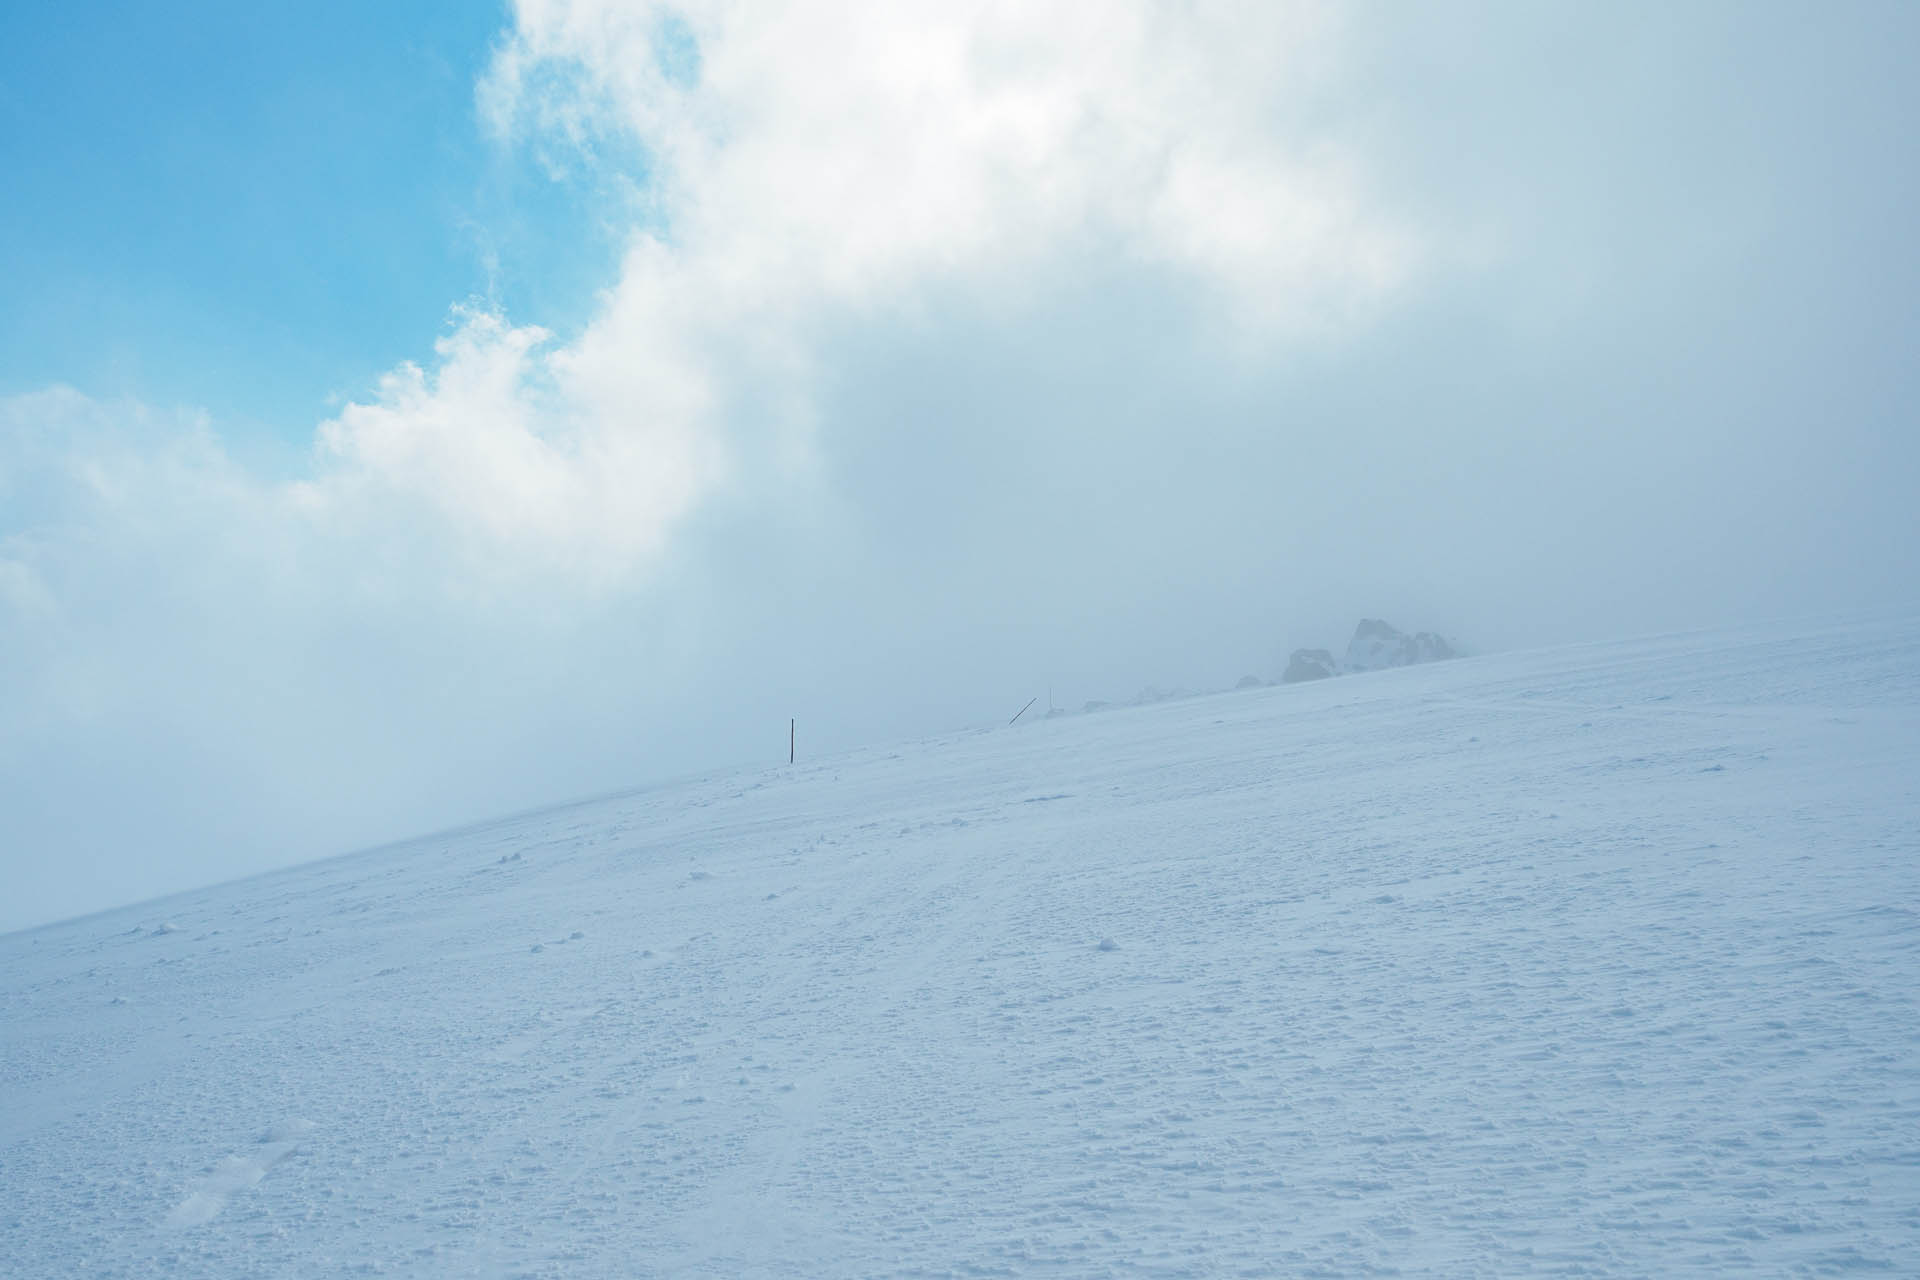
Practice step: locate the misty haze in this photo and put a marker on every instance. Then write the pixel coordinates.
(943, 639)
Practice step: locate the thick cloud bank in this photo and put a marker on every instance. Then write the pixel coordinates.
(959, 350)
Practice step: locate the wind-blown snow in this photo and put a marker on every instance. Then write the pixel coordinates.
(1598, 960)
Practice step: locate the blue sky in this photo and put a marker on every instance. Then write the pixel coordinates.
(256, 209)
(414, 412)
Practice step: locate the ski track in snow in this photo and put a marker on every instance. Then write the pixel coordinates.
(1600, 960)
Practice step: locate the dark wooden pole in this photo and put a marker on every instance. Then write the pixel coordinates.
(790, 725)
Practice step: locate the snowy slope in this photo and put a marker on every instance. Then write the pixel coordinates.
(1598, 960)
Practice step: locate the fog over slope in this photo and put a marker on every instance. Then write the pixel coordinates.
(948, 353)
(1598, 958)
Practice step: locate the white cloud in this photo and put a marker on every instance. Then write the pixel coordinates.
(518, 460)
(818, 165)
(848, 152)
(957, 347)
(475, 557)
(821, 162)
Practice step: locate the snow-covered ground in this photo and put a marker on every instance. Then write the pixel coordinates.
(1599, 960)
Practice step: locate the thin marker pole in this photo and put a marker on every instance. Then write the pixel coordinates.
(790, 725)
(1022, 711)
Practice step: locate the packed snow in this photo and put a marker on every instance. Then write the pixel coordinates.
(1599, 960)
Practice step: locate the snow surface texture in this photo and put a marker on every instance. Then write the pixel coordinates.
(1601, 960)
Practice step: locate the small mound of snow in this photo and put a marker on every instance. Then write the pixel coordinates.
(291, 1129)
(1108, 944)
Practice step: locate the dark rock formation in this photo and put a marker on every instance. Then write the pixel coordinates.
(1309, 664)
(1375, 646)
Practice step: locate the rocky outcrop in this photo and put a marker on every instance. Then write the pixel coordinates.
(1375, 646)
(1309, 664)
